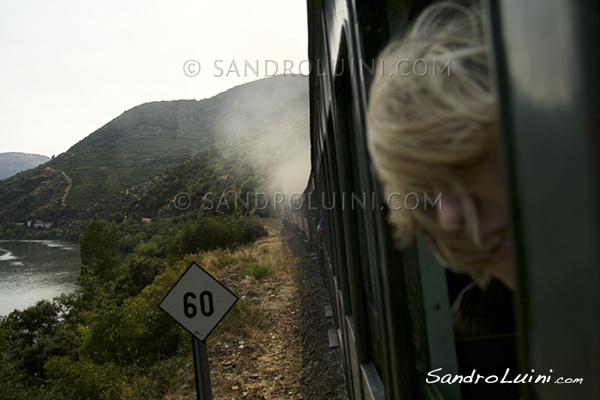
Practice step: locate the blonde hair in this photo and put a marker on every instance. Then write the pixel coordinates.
(427, 131)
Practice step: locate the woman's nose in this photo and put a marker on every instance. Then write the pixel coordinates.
(450, 214)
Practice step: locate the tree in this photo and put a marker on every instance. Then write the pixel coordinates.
(37, 335)
(100, 249)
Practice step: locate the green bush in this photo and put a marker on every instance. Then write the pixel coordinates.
(83, 379)
(243, 318)
(258, 270)
(253, 230)
(207, 234)
(100, 249)
(142, 270)
(38, 336)
(222, 258)
(128, 335)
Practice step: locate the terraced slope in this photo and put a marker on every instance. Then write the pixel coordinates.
(150, 139)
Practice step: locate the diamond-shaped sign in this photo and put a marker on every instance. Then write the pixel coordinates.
(198, 301)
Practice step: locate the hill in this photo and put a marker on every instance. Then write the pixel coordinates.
(153, 138)
(13, 163)
(264, 156)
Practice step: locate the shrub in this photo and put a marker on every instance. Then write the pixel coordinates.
(142, 270)
(253, 230)
(127, 335)
(209, 234)
(258, 270)
(100, 249)
(242, 319)
(219, 259)
(39, 335)
(83, 379)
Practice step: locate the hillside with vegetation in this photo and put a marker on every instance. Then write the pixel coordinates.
(109, 340)
(117, 191)
(240, 139)
(13, 163)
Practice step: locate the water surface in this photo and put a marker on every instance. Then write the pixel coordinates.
(32, 270)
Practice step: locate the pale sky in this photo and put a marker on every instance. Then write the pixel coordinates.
(68, 67)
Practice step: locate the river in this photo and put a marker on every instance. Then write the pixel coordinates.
(32, 270)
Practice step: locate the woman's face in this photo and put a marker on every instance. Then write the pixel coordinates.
(487, 193)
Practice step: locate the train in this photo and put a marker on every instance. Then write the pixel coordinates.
(392, 307)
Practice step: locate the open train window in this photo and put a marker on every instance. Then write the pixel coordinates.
(358, 208)
(432, 290)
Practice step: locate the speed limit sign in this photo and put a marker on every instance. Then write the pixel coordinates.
(198, 302)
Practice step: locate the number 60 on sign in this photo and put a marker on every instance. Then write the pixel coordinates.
(198, 301)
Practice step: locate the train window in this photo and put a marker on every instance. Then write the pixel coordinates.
(432, 290)
(341, 248)
(352, 203)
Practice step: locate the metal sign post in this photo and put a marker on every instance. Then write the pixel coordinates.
(198, 302)
(203, 390)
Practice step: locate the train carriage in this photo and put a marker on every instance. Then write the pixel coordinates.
(392, 308)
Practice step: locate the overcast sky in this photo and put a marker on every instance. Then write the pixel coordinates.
(68, 67)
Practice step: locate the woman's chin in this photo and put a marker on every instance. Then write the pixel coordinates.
(500, 266)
